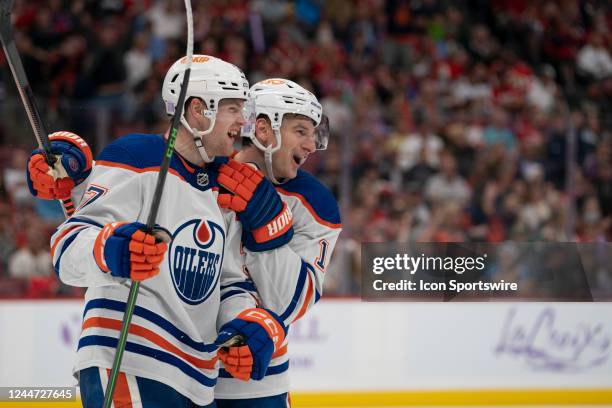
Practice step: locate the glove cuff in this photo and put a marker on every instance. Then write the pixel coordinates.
(270, 322)
(276, 227)
(76, 141)
(100, 244)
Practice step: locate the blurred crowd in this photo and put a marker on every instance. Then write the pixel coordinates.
(453, 121)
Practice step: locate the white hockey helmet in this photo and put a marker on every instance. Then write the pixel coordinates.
(211, 79)
(276, 97)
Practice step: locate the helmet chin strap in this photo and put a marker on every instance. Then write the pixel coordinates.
(268, 152)
(270, 173)
(198, 136)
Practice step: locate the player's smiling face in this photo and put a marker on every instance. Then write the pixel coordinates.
(229, 120)
(298, 142)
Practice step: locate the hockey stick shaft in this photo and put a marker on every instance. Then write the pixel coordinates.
(157, 196)
(25, 92)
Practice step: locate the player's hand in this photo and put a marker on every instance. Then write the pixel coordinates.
(267, 222)
(127, 251)
(72, 166)
(263, 334)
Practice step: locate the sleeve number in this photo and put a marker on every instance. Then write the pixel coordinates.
(322, 258)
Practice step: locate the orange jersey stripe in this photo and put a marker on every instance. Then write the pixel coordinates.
(121, 397)
(309, 293)
(187, 166)
(59, 238)
(309, 208)
(135, 169)
(153, 337)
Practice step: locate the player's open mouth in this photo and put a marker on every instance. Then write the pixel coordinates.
(298, 160)
(233, 134)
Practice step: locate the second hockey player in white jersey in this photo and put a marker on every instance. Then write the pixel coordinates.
(288, 280)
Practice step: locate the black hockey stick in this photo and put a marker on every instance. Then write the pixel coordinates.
(157, 195)
(25, 92)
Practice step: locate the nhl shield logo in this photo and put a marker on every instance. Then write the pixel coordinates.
(195, 259)
(202, 179)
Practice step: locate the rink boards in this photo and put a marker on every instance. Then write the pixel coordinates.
(351, 353)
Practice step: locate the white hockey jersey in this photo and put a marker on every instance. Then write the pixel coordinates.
(174, 322)
(287, 280)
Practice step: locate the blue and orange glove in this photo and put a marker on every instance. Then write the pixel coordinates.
(263, 334)
(73, 165)
(127, 251)
(267, 222)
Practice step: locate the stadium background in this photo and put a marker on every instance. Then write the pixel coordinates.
(452, 121)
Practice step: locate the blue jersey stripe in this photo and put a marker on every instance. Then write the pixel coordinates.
(65, 246)
(156, 354)
(153, 318)
(224, 374)
(281, 368)
(298, 291)
(231, 293)
(247, 285)
(84, 221)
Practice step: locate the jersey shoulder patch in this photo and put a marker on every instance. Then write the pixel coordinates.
(135, 150)
(315, 196)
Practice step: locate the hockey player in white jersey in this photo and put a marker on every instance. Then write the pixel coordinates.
(288, 280)
(169, 358)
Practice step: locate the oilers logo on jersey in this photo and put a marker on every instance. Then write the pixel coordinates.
(195, 257)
